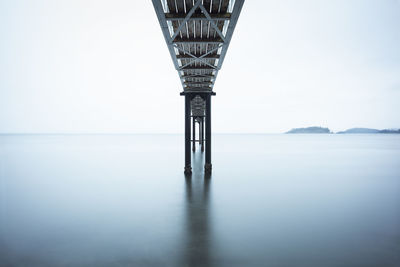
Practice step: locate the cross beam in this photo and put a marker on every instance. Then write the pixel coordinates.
(182, 16)
(213, 56)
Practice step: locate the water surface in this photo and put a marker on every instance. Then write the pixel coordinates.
(272, 200)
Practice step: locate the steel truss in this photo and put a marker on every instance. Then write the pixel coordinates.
(175, 43)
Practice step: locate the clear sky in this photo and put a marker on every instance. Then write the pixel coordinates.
(103, 67)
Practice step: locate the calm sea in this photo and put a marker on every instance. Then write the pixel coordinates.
(272, 200)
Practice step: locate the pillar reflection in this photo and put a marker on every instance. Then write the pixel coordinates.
(197, 235)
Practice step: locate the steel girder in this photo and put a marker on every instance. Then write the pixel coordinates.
(185, 61)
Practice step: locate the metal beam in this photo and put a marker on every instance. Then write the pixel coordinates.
(192, 10)
(202, 134)
(194, 57)
(193, 60)
(198, 68)
(188, 167)
(179, 40)
(211, 53)
(197, 60)
(200, 81)
(213, 56)
(202, 94)
(182, 16)
(197, 76)
(195, 89)
(194, 134)
(205, 82)
(205, 12)
(208, 166)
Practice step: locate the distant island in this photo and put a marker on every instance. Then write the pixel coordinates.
(369, 131)
(313, 129)
(321, 130)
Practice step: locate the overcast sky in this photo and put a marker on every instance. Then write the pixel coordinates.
(81, 66)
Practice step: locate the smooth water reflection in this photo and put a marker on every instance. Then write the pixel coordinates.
(273, 200)
(197, 213)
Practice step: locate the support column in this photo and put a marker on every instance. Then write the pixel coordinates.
(188, 167)
(208, 166)
(194, 133)
(201, 136)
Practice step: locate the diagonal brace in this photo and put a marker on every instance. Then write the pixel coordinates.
(194, 57)
(192, 10)
(212, 22)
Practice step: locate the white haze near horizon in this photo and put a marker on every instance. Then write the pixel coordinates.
(103, 67)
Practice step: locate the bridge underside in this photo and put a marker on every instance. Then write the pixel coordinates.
(198, 33)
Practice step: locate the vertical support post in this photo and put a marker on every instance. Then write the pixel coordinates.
(208, 166)
(194, 133)
(188, 167)
(201, 133)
